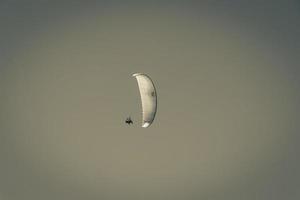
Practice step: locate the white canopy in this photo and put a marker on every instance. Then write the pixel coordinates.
(148, 97)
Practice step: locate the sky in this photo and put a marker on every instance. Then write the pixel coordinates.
(227, 80)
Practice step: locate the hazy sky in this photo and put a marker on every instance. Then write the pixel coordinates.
(227, 79)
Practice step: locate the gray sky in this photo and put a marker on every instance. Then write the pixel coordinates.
(227, 79)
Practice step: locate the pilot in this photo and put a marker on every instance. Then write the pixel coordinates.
(128, 121)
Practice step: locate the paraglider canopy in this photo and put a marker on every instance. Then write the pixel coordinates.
(148, 98)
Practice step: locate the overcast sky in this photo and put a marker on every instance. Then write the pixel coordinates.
(227, 79)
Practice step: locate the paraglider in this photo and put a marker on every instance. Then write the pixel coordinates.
(148, 98)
